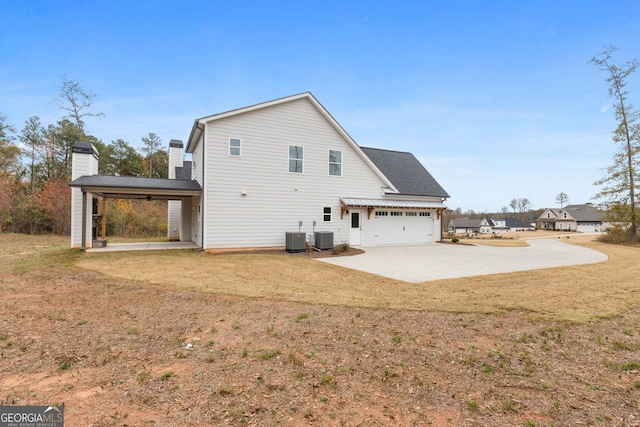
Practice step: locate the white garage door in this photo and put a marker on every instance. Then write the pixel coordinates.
(402, 227)
(586, 228)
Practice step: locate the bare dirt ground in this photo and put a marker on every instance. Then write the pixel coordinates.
(119, 352)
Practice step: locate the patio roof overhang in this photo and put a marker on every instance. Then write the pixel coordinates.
(372, 204)
(127, 187)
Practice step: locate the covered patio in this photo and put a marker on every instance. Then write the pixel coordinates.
(102, 187)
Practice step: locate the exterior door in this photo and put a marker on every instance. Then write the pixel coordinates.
(355, 234)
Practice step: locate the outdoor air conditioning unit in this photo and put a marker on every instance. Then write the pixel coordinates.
(295, 242)
(324, 240)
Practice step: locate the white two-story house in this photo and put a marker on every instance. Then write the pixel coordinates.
(282, 166)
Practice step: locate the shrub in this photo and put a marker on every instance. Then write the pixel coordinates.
(616, 235)
(455, 240)
(340, 248)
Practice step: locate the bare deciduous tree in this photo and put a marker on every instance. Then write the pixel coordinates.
(619, 185)
(562, 199)
(75, 101)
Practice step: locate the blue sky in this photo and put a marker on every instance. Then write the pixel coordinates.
(496, 98)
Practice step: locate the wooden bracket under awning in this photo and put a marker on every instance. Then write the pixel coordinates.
(344, 209)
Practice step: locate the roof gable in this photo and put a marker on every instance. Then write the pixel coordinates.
(406, 173)
(198, 127)
(549, 214)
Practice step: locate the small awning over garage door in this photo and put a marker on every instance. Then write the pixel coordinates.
(372, 204)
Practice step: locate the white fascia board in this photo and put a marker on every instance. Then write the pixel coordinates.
(194, 136)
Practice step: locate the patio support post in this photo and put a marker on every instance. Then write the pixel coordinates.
(103, 231)
(84, 220)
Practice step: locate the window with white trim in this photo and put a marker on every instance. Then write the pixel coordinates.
(326, 214)
(235, 147)
(335, 163)
(296, 158)
(382, 213)
(425, 213)
(411, 213)
(396, 213)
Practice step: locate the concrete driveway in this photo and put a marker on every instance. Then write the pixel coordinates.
(443, 261)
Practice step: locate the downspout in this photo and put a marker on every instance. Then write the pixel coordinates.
(202, 199)
(84, 220)
(441, 219)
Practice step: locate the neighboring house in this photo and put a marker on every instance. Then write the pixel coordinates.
(469, 226)
(509, 225)
(582, 218)
(547, 219)
(281, 166)
(487, 225)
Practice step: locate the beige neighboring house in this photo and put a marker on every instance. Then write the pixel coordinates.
(581, 218)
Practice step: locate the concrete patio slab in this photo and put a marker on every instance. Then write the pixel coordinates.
(422, 263)
(144, 246)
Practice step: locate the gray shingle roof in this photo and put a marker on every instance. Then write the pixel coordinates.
(584, 213)
(84, 148)
(511, 222)
(135, 183)
(405, 172)
(184, 171)
(465, 223)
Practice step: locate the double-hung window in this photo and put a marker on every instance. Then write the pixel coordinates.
(335, 162)
(296, 158)
(326, 214)
(234, 147)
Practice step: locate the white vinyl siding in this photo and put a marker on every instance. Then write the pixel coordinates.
(82, 164)
(174, 216)
(197, 160)
(276, 201)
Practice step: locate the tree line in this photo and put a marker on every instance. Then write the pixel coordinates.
(35, 170)
(35, 197)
